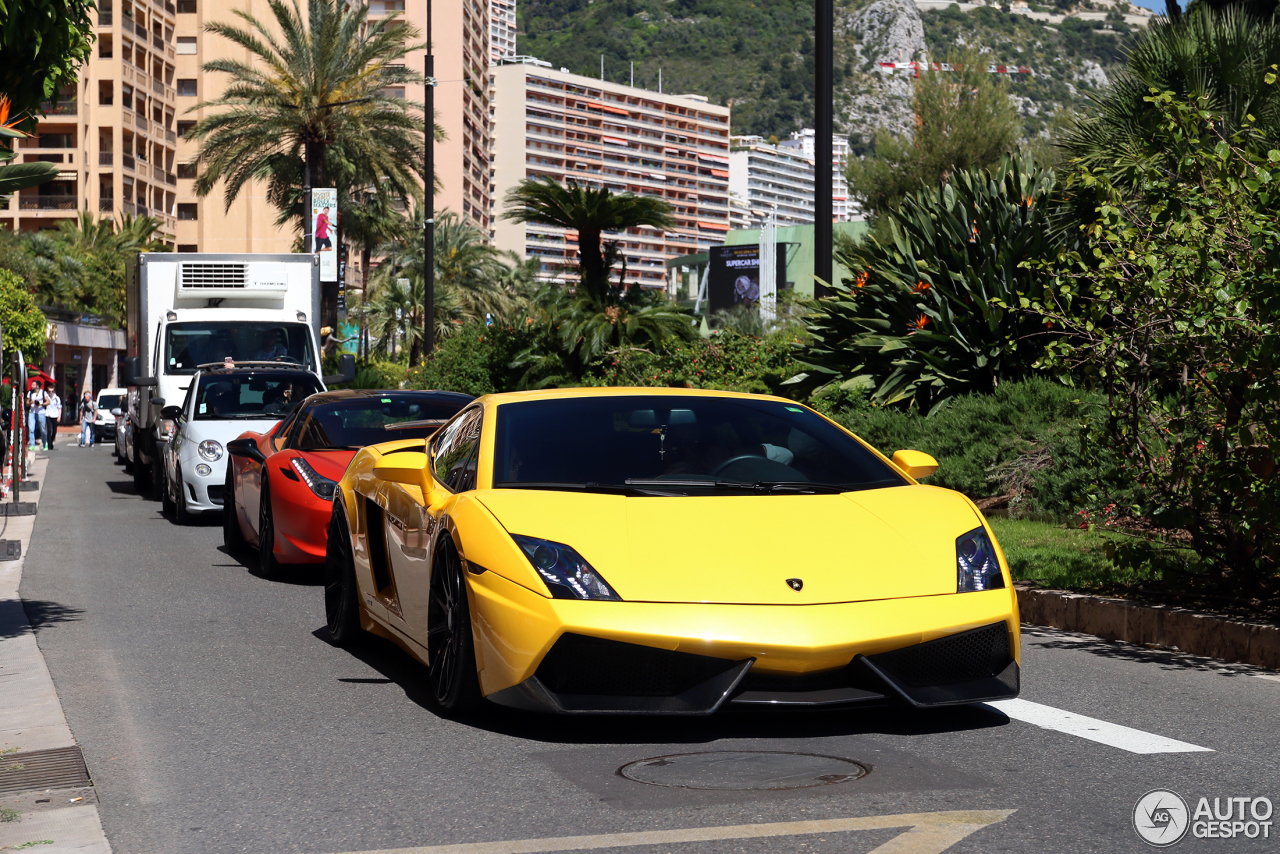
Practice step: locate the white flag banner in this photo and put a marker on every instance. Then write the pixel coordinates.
(324, 226)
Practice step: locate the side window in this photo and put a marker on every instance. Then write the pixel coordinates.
(453, 451)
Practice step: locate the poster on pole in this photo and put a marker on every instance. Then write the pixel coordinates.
(324, 216)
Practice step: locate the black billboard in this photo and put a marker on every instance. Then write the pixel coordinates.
(734, 277)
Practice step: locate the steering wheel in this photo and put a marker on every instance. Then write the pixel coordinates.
(290, 359)
(740, 458)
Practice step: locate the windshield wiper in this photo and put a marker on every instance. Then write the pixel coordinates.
(569, 486)
(757, 486)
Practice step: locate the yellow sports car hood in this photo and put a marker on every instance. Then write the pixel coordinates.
(743, 549)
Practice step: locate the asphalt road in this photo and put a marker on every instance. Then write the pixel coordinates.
(215, 717)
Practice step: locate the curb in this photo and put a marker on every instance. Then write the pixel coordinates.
(1152, 625)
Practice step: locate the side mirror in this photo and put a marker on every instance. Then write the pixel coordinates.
(171, 413)
(157, 401)
(406, 467)
(916, 464)
(246, 449)
(131, 373)
(118, 412)
(346, 368)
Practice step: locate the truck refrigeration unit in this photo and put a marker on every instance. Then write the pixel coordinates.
(188, 309)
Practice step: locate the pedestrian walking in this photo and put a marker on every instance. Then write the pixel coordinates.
(52, 415)
(87, 411)
(35, 419)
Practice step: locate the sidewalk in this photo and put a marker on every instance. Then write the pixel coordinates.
(46, 797)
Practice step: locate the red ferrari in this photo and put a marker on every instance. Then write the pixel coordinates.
(280, 484)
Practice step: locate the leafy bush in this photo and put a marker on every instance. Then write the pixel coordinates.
(727, 361)
(479, 359)
(1022, 441)
(380, 374)
(22, 323)
(934, 314)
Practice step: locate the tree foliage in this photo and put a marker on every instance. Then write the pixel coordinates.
(1173, 311)
(22, 325)
(933, 313)
(42, 45)
(964, 120)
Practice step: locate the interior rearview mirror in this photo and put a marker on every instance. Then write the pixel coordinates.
(405, 467)
(916, 464)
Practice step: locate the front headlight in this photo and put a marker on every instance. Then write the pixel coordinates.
(977, 567)
(209, 450)
(566, 573)
(320, 485)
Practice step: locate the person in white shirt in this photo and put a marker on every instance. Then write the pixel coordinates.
(35, 419)
(52, 415)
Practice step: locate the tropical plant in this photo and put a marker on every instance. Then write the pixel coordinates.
(935, 313)
(1172, 310)
(22, 322)
(1218, 58)
(964, 119)
(17, 176)
(42, 45)
(313, 95)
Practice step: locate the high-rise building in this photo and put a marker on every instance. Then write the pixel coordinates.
(601, 134)
(770, 178)
(842, 208)
(502, 29)
(113, 134)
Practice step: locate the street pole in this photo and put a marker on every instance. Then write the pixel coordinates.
(307, 243)
(429, 203)
(824, 95)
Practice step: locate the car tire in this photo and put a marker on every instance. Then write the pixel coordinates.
(181, 514)
(268, 566)
(232, 536)
(159, 482)
(451, 656)
(341, 594)
(141, 474)
(167, 502)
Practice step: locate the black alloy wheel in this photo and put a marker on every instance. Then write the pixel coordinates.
(181, 514)
(164, 493)
(232, 536)
(268, 566)
(341, 594)
(450, 645)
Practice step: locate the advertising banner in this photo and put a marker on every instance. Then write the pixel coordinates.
(324, 226)
(734, 275)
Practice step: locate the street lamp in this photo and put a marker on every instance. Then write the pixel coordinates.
(824, 95)
(429, 201)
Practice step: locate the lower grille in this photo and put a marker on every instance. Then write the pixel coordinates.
(578, 664)
(965, 657)
(215, 494)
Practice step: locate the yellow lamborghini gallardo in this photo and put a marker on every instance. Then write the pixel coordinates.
(668, 551)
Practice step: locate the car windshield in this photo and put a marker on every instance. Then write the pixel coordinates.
(679, 445)
(257, 394)
(189, 345)
(110, 401)
(360, 421)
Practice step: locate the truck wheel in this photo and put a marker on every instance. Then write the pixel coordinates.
(159, 483)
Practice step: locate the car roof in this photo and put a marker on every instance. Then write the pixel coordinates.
(623, 391)
(352, 393)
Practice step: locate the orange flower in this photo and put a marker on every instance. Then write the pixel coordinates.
(921, 287)
(1029, 201)
(920, 323)
(860, 280)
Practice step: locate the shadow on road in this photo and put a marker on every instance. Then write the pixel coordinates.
(19, 617)
(301, 575)
(123, 487)
(1166, 659)
(399, 667)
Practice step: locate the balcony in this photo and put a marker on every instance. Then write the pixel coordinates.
(104, 18)
(140, 121)
(126, 24)
(171, 137)
(60, 107)
(170, 178)
(157, 173)
(127, 160)
(157, 42)
(47, 203)
(157, 86)
(105, 158)
(106, 205)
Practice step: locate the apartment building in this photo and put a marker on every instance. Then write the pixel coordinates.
(601, 134)
(767, 178)
(502, 29)
(113, 135)
(804, 141)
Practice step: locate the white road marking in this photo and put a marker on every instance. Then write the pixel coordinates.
(1103, 732)
(1273, 677)
(925, 833)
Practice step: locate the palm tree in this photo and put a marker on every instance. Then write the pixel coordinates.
(313, 94)
(591, 213)
(1221, 55)
(472, 281)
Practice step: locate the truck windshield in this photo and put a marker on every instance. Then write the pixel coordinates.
(189, 345)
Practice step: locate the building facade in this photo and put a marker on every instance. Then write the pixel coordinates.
(768, 178)
(842, 208)
(502, 29)
(114, 135)
(568, 127)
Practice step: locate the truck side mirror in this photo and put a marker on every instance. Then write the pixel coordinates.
(347, 368)
(130, 373)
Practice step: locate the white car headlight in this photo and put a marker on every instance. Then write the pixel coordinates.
(209, 450)
(565, 572)
(322, 486)
(977, 567)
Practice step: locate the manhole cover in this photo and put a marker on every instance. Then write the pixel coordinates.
(743, 770)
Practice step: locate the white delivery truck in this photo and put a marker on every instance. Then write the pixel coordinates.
(185, 309)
